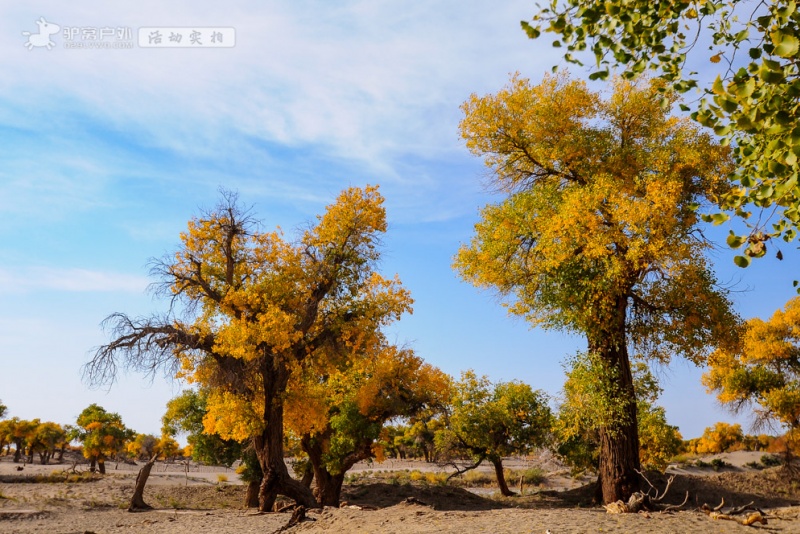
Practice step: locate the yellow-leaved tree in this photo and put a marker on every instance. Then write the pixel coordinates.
(250, 308)
(337, 407)
(764, 371)
(598, 233)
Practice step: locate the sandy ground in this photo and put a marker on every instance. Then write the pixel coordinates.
(198, 502)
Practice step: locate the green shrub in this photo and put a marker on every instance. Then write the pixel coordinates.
(719, 463)
(770, 460)
(532, 476)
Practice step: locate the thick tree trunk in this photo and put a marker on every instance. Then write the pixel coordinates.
(101, 465)
(619, 441)
(251, 497)
(501, 477)
(269, 445)
(137, 500)
(329, 487)
(308, 477)
(17, 452)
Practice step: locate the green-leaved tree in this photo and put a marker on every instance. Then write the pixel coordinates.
(598, 233)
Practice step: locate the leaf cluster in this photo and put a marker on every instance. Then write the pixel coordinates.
(764, 370)
(752, 103)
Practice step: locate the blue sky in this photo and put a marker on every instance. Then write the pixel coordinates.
(106, 153)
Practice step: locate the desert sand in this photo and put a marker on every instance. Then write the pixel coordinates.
(197, 501)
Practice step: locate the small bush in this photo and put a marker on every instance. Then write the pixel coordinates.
(680, 459)
(416, 476)
(701, 464)
(531, 476)
(719, 463)
(770, 460)
(222, 477)
(754, 465)
(440, 479)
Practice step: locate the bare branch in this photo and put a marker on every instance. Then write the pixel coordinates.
(145, 345)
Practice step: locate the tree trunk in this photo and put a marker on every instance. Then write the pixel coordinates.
(269, 444)
(308, 478)
(101, 465)
(501, 477)
(619, 441)
(251, 497)
(137, 500)
(17, 452)
(329, 488)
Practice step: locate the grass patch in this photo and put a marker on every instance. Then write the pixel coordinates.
(476, 478)
(533, 476)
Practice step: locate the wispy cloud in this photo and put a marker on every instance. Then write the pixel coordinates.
(69, 280)
(368, 82)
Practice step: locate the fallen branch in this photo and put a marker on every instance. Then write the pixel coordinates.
(755, 515)
(640, 501)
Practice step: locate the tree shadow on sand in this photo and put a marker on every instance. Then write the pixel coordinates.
(765, 489)
(380, 495)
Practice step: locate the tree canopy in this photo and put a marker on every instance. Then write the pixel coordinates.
(598, 233)
(489, 421)
(102, 433)
(752, 103)
(185, 414)
(764, 371)
(338, 411)
(251, 308)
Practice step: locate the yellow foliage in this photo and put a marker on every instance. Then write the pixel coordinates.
(600, 214)
(762, 370)
(232, 416)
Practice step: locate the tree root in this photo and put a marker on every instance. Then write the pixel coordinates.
(298, 516)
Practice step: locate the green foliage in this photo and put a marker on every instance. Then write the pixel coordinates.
(752, 104)
(489, 421)
(586, 408)
(102, 433)
(531, 476)
(3, 410)
(770, 460)
(719, 463)
(250, 468)
(185, 413)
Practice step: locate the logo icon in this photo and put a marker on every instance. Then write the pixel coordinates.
(46, 29)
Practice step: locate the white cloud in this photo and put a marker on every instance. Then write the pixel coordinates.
(24, 280)
(368, 81)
